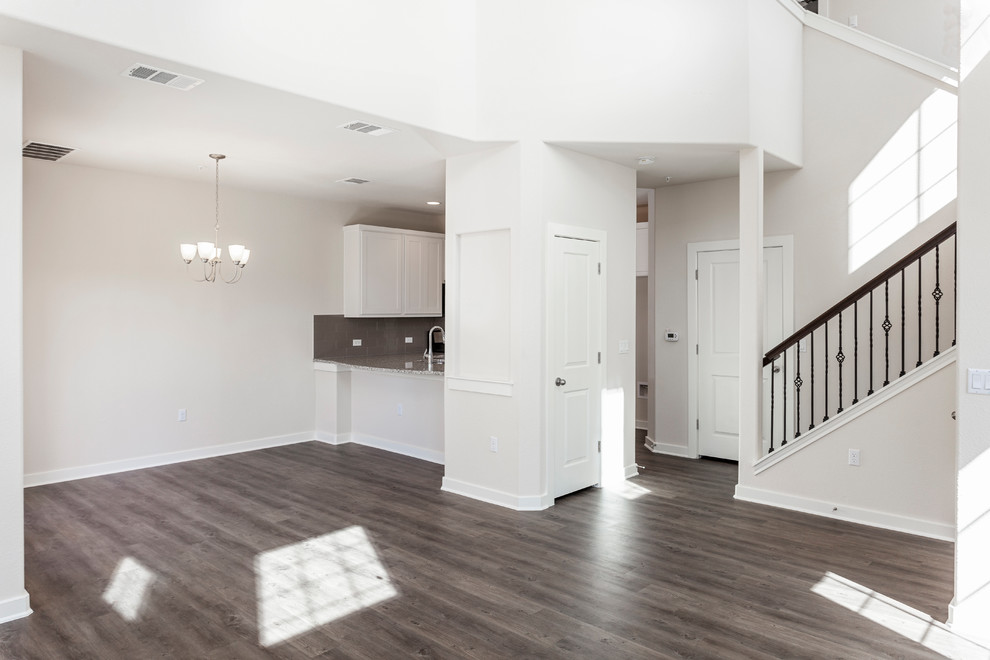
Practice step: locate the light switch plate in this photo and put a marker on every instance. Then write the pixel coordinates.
(978, 381)
(355, 342)
(623, 345)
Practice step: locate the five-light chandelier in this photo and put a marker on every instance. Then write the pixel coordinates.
(209, 253)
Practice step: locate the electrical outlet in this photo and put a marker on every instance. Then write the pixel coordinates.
(493, 443)
(355, 342)
(408, 340)
(854, 457)
(398, 410)
(182, 414)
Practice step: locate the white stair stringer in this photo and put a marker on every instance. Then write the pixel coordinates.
(906, 479)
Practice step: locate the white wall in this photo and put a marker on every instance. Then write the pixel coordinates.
(971, 606)
(519, 189)
(642, 340)
(410, 61)
(13, 598)
(846, 125)
(375, 418)
(927, 27)
(118, 337)
(906, 479)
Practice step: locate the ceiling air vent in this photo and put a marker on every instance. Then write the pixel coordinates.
(43, 151)
(353, 180)
(161, 77)
(367, 128)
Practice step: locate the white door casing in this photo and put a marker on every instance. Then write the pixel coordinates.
(713, 336)
(574, 336)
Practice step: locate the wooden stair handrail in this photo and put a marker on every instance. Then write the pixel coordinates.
(834, 310)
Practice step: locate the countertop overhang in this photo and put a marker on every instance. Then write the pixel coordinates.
(412, 363)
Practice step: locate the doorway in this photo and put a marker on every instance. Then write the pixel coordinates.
(575, 334)
(713, 373)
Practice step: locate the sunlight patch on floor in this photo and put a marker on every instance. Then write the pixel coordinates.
(309, 584)
(627, 489)
(128, 588)
(898, 617)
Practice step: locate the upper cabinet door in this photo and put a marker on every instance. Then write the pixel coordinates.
(391, 272)
(642, 249)
(423, 275)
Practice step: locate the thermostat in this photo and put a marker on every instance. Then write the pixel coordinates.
(670, 335)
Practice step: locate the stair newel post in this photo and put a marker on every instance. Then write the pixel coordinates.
(783, 389)
(887, 325)
(840, 357)
(855, 352)
(937, 295)
(825, 418)
(870, 391)
(919, 314)
(811, 400)
(903, 325)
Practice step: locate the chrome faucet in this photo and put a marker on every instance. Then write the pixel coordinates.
(428, 353)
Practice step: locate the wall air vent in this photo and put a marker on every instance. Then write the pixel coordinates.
(367, 128)
(161, 77)
(353, 180)
(43, 151)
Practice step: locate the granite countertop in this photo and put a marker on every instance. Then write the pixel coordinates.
(411, 363)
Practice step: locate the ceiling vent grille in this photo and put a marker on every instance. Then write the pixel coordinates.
(367, 128)
(161, 77)
(353, 181)
(43, 151)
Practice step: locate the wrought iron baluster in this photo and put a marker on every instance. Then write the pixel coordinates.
(783, 387)
(937, 295)
(919, 313)
(886, 325)
(903, 324)
(812, 400)
(955, 300)
(797, 392)
(825, 418)
(870, 391)
(773, 390)
(840, 357)
(855, 352)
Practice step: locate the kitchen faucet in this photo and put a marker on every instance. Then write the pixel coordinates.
(428, 353)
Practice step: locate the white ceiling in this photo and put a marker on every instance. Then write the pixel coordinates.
(75, 96)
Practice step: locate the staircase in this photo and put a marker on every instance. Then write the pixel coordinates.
(892, 331)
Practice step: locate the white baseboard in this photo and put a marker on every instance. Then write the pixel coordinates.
(525, 503)
(641, 425)
(664, 448)
(897, 523)
(156, 460)
(632, 471)
(17, 607)
(394, 446)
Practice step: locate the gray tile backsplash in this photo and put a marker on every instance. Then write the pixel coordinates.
(333, 335)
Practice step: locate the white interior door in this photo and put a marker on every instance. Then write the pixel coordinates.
(575, 345)
(718, 343)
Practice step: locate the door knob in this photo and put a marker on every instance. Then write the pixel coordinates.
(560, 381)
(776, 370)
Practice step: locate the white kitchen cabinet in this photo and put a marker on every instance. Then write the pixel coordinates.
(642, 249)
(392, 272)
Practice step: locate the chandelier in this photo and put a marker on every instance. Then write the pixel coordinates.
(209, 253)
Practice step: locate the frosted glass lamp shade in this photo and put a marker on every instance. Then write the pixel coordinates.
(206, 250)
(188, 251)
(236, 252)
(244, 256)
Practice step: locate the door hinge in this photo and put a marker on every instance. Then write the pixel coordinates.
(599, 268)
(599, 446)
(696, 273)
(696, 350)
(697, 425)
(599, 357)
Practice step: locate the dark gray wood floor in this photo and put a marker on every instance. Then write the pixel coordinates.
(681, 571)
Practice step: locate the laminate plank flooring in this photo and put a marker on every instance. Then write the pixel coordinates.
(192, 560)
